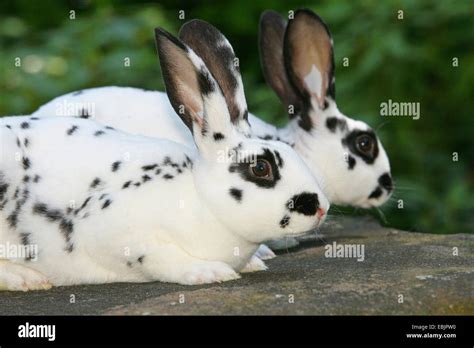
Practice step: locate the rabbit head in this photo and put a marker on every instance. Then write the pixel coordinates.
(345, 154)
(258, 189)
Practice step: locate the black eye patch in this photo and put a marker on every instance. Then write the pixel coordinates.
(350, 139)
(243, 167)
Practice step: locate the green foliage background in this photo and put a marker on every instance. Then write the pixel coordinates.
(403, 60)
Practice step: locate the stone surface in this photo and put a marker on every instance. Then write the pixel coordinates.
(419, 267)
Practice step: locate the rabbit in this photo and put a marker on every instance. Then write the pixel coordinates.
(119, 107)
(352, 167)
(103, 206)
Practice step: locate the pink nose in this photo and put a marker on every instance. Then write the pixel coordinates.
(320, 213)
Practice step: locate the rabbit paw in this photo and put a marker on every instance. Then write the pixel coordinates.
(209, 272)
(14, 277)
(265, 253)
(255, 264)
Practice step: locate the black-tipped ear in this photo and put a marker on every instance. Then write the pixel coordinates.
(218, 55)
(184, 84)
(309, 58)
(271, 39)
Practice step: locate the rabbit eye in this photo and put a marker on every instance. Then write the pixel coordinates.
(261, 169)
(365, 144)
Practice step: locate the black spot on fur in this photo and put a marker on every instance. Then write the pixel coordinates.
(106, 203)
(376, 193)
(34, 118)
(77, 93)
(140, 259)
(189, 162)
(12, 219)
(71, 130)
(26, 179)
(8, 126)
(116, 166)
(285, 221)
(108, 127)
(96, 182)
(149, 167)
(146, 178)
(99, 133)
(126, 184)
(3, 190)
(137, 184)
(37, 178)
(67, 227)
(333, 123)
(26, 163)
(236, 194)
(51, 214)
(24, 238)
(279, 159)
(304, 203)
(158, 171)
(84, 114)
(218, 136)
(386, 182)
(351, 162)
(168, 176)
(26, 142)
(129, 264)
(18, 143)
(25, 125)
(84, 204)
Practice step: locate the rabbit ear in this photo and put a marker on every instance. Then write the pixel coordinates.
(309, 59)
(218, 55)
(194, 94)
(271, 39)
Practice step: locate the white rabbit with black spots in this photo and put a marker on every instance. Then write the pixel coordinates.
(105, 206)
(344, 154)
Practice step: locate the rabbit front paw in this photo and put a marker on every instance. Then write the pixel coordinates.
(254, 265)
(209, 272)
(264, 253)
(14, 277)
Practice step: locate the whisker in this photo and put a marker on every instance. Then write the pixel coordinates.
(381, 125)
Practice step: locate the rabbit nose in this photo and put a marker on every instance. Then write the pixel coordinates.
(321, 212)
